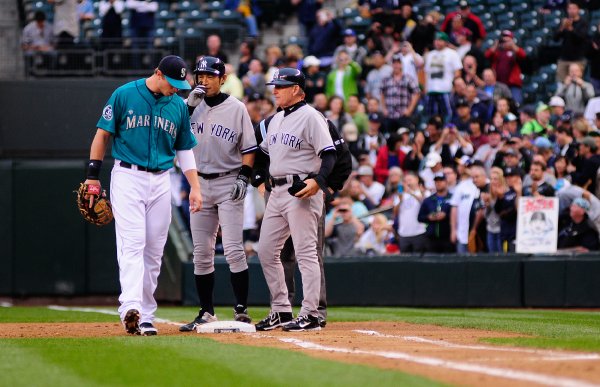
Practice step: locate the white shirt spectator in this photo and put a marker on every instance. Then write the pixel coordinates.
(408, 213)
(462, 198)
(440, 66)
(375, 191)
(409, 66)
(592, 107)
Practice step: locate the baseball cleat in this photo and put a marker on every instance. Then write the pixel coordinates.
(274, 320)
(322, 322)
(303, 323)
(202, 318)
(132, 322)
(240, 313)
(147, 329)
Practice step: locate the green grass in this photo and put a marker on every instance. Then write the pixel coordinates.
(186, 360)
(167, 360)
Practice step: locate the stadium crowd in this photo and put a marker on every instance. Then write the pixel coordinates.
(443, 140)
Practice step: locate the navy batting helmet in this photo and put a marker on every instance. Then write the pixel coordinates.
(288, 77)
(211, 65)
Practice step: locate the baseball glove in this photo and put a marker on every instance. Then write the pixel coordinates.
(100, 213)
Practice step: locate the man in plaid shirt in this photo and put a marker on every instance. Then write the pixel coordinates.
(400, 95)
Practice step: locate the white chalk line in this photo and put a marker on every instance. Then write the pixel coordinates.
(5, 304)
(546, 354)
(491, 371)
(453, 365)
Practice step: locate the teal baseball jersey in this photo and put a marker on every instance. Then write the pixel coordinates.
(147, 130)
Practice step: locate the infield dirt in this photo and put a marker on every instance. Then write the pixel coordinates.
(455, 356)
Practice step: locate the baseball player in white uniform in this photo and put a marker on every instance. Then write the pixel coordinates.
(302, 155)
(224, 157)
(150, 125)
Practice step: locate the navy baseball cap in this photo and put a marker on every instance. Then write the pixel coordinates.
(175, 71)
(375, 117)
(509, 171)
(349, 32)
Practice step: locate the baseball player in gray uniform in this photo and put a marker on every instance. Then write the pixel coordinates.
(224, 157)
(302, 155)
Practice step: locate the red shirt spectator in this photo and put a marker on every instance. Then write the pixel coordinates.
(504, 57)
(470, 21)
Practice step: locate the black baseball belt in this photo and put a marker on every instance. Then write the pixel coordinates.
(277, 181)
(210, 176)
(127, 165)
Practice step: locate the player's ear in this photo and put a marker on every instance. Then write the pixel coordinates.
(223, 79)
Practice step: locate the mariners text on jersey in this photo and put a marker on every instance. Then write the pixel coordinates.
(137, 121)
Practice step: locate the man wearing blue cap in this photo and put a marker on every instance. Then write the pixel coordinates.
(150, 125)
(357, 53)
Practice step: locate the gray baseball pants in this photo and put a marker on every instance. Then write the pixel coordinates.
(217, 209)
(286, 215)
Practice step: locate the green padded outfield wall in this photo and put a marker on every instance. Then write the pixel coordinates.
(6, 227)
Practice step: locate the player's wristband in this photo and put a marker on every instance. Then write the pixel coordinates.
(246, 171)
(93, 171)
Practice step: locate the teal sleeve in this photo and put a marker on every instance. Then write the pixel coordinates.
(185, 138)
(109, 120)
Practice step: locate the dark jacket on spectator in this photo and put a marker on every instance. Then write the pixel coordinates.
(583, 234)
(586, 170)
(434, 203)
(574, 42)
(506, 208)
(323, 40)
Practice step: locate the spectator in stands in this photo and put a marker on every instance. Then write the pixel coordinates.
(404, 21)
(433, 167)
(424, 33)
(470, 72)
(324, 37)
(374, 241)
(573, 31)
(493, 88)
(462, 115)
(462, 201)
(233, 85)
(346, 232)
(574, 90)
(412, 161)
(393, 185)
(246, 56)
(442, 65)
(141, 23)
(406, 212)
(470, 21)
(510, 128)
(586, 164)
(557, 109)
(579, 233)
(380, 70)
(452, 145)
(388, 156)
(85, 11)
(506, 206)
(37, 35)
(362, 203)
(254, 107)
(504, 57)
(452, 176)
(320, 102)
(594, 57)
(373, 189)
(213, 47)
(273, 58)
(373, 106)
(371, 141)
(337, 114)
(357, 53)
(461, 41)
(249, 11)
(435, 213)
(433, 132)
(112, 31)
(66, 23)
(254, 80)
(563, 178)
(400, 95)
(343, 80)
(540, 125)
(412, 62)
(357, 111)
(565, 146)
(307, 14)
(492, 219)
(534, 183)
(315, 78)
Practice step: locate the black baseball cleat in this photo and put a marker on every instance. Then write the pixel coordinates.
(202, 318)
(147, 329)
(322, 322)
(303, 323)
(274, 320)
(132, 322)
(240, 313)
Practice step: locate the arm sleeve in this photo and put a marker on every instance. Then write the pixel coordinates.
(185, 138)
(186, 160)
(247, 137)
(109, 120)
